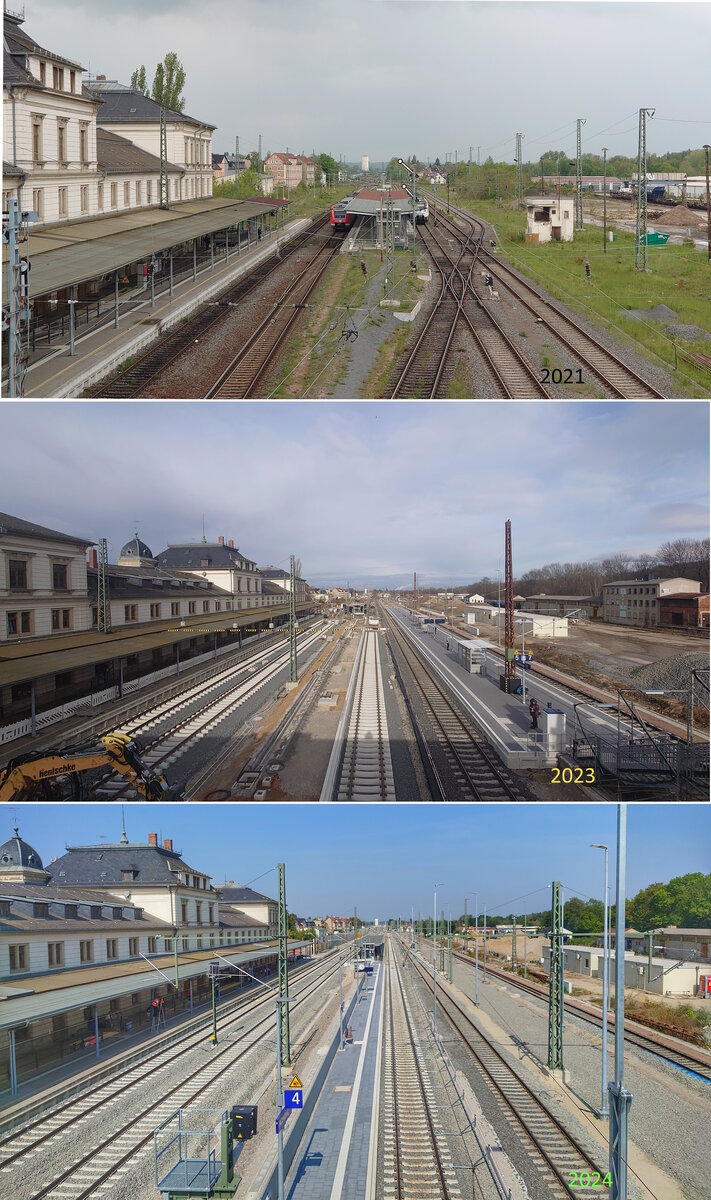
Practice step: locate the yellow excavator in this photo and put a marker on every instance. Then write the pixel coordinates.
(58, 776)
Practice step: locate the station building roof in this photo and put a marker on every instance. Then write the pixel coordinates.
(105, 866)
(118, 156)
(242, 895)
(17, 527)
(77, 251)
(20, 661)
(367, 201)
(124, 104)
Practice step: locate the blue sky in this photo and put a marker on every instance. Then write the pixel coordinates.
(367, 492)
(357, 88)
(386, 858)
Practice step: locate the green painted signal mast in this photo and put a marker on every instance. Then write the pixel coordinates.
(555, 983)
(283, 968)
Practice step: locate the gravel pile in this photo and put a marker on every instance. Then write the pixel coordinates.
(672, 674)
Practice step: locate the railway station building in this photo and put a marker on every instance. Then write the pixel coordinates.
(668, 977)
(55, 660)
(87, 942)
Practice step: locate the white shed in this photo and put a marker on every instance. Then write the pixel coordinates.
(549, 221)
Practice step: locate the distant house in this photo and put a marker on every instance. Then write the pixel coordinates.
(475, 599)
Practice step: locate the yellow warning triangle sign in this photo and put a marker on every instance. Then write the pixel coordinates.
(296, 1082)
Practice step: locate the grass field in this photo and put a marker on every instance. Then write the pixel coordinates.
(678, 276)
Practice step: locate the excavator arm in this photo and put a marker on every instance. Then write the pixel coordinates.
(50, 776)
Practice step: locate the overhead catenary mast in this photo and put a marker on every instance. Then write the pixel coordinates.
(509, 675)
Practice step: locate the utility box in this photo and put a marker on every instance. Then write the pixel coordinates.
(552, 723)
(509, 683)
(244, 1121)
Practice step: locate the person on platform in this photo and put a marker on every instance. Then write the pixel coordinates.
(534, 708)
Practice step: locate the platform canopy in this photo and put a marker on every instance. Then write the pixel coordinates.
(367, 202)
(74, 252)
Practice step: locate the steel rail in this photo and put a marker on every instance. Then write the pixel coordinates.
(233, 384)
(537, 1123)
(57, 1184)
(418, 1107)
(132, 381)
(205, 713)
(187, 1039)
(650, 1042)
(475, 744)
(541, 308)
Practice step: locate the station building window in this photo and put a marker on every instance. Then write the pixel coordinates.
(71, 912)
(40, 910)
(19, 623)
(114, 195)
(175, 608)
(63, 201)
(155, 611)
(84, 198)
(152, 945)
(186, 943)
(130, 612)
(95, 912)
(55, 954)
(139, 192)
(37, 139)
(127, 194)
(191, 606)
(84, 143)
(58, 78)
(149, 191)
(43, 72)
(19, 957)
(59, 577)
(206, 606)
(133, 947)
(18, 575)
(38, 202)
(62, 141)
(184, 911)
(86, 951)
(112, 948)
(61, 619)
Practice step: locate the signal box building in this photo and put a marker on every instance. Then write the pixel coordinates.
(548, 220)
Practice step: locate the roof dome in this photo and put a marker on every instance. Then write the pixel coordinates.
(17, 853)
(136, 550)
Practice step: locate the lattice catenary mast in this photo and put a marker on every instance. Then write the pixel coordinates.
(163, 160)
(103, 600)
(509, 651)
(579, 176)
(293, 663)
(555, 983)
(283, 968)
(640, 255)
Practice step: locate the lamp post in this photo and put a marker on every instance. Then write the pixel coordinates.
(402, 162)
(604, 199)
(620, 1098)
(604, 1110)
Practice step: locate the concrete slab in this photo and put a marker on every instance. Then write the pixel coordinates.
(332, 1162)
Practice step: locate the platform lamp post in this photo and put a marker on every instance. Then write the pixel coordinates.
(604, 1110)
(604, 199)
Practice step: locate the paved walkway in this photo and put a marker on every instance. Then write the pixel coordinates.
(102, 350)
(505, 718)
(332, 1162)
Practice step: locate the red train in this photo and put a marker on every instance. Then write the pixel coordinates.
(340, 218)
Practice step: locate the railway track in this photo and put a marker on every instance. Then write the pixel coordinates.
(112, 1151)
(430, 365)
(416, 1160)
(653, 1043)
(366, 768)
(618, 379)
(556, 1155)
(165, 736)
(241, 378)
(477, 771)
(133, 381)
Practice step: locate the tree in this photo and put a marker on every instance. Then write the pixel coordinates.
(329, 166)
(168, 82)
(138, 81)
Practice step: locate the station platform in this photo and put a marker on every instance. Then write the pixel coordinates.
(504, 718)
(337, 1156)
(102, 350)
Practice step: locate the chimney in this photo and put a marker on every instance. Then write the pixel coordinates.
(220, 540)
(93, 558)
(231, 544)
(152, 839)
(101, 77)
(168, 844)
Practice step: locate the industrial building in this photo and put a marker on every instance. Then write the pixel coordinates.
(589, 607)
(638, 601)
(684, 611)
(667, 978)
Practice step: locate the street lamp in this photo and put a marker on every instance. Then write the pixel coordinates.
(604, 199)
(604, 1110)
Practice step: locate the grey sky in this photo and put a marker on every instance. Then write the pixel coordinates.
(367, 492)
(384, 77)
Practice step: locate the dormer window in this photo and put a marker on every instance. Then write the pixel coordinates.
(71, 912)
(117, 913)
(95, 911)
(40, 910)
(128, 874)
